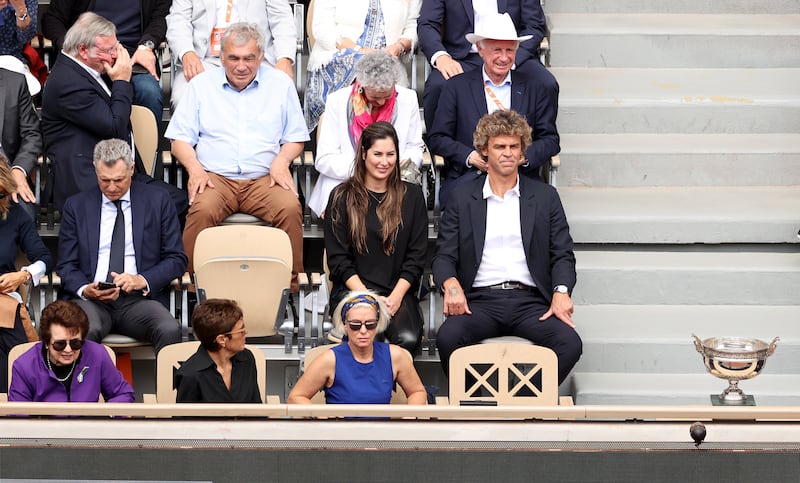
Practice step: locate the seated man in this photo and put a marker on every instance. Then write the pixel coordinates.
(119, 249)
(442, 27)
(20, 138)
(141, 27)
(88, 98)
(195, 27)
(236, 132)
(504, 255)
(492, 87)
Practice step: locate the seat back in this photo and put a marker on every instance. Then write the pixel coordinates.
(255, 271)
(505, 374)
(398, 395)
(20, 349)
(145, 136)
(172, 356)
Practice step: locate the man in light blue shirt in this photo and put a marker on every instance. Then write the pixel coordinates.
(236, 131)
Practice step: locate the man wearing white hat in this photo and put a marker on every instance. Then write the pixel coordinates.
(443, 24)
(20, 140)
(494, 86)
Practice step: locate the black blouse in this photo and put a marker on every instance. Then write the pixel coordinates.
(198, 380)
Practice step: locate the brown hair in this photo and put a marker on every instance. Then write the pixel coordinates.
(501, 123)
(66, 314)
(356, 198)
(7, 184)
(212, 318)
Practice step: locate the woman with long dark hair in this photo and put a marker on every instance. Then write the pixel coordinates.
(376, 234)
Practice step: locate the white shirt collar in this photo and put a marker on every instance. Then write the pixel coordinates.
(487, 80)
(488, 193)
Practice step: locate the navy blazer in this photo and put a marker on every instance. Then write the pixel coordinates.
(462, 104)
(545, 236)
(443, 25)
(156, 240)
(19, 124)
(76, 114)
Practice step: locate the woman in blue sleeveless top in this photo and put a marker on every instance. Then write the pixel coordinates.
(360, 370)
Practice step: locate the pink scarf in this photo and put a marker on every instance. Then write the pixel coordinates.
(361, 114)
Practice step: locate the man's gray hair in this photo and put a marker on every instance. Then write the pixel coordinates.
(109, 151)
(242, 32)
(379, 70)
(85, 30)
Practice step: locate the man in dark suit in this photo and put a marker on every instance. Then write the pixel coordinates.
(123, 233)
(21, 140)
(504, 255)
(466, 98)
(442, 27)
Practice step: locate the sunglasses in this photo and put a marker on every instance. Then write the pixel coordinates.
(234, 332)
(3, 195)
(355, 325)
(60, 345)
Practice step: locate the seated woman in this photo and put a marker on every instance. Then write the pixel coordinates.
(345, 30)
(374, 96)
(376, 235)
(64, 366)
(361, 370)
(222, 370)
(17, 231)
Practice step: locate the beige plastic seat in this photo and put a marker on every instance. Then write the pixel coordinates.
(398, 395)
(20, 349)
(172, 356)
(145, 136)
(504, 374)
(252, 265)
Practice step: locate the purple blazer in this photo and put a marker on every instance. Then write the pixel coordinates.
(32, 380)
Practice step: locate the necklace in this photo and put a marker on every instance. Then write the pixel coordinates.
(375, 197)
(49, 366)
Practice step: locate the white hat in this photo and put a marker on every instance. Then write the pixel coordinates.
(9, 62)
(497, 26)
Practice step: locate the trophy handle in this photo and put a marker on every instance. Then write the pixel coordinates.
(698, 344)
(772, 345)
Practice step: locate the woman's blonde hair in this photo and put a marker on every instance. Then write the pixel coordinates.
(7, 185)
(361, 297)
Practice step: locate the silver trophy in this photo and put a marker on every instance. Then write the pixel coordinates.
(734, 359)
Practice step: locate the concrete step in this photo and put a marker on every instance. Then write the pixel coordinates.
(688, 101)
(674, 6)
(630, 160)
(697, 275)
(619, 388)
(674, 40)
(683, 214)
(657, 338)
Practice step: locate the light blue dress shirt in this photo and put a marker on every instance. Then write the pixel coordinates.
(237, 134)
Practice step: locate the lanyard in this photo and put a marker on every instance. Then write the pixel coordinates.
(494, 98)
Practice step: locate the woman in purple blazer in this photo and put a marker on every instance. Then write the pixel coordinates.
(64, 366)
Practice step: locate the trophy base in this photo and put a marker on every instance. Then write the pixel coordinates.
(718, 401)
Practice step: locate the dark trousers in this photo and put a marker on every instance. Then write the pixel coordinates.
(405, 329)
(510, 312)
(134, 316)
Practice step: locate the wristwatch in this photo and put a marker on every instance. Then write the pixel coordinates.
(23, 17)
(147, 44)
(561, 289)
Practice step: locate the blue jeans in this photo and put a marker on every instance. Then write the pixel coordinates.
(147, 93)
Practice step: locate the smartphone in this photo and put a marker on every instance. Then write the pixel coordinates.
(105, 285)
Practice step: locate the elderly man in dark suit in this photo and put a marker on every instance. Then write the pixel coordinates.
(21, 140)
(504, 255)
(442, 26)
(118, 250)
(492, 87)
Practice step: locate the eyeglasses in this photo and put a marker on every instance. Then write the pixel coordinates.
(355, 325)
(110, 51)
(60, 345)
(234, 332)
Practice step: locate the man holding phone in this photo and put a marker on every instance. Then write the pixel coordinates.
(118, 250)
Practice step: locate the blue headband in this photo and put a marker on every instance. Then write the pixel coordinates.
(358, 300)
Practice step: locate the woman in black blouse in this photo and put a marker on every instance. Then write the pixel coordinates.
(222, 370)
(376, 234)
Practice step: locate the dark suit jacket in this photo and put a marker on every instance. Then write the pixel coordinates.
(61, 14)
(156, 240)
(443, 25)
(462, 104)
(21, 139)
(545, 236)
(76, 114)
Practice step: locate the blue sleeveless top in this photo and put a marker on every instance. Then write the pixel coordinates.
(357, 383)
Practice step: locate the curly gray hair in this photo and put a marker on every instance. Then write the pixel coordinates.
(379, 70)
